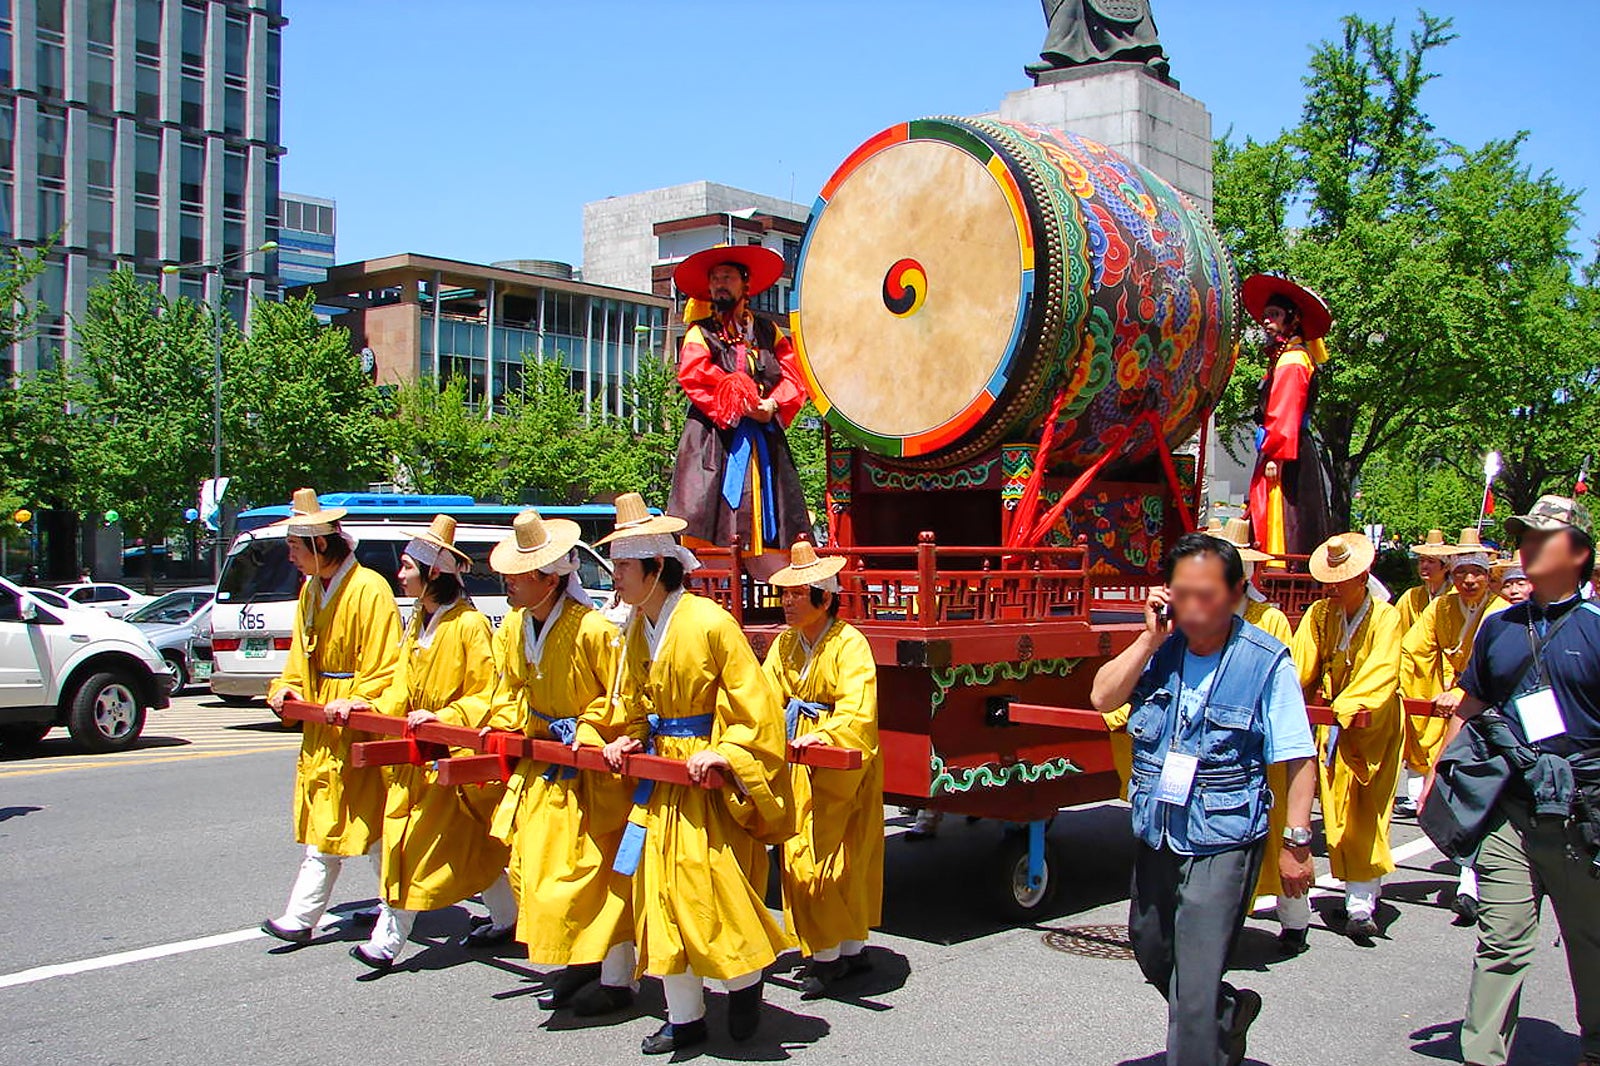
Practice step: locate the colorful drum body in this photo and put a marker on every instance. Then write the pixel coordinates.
(961, 279)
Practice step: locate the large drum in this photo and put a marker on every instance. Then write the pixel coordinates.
(962, 278)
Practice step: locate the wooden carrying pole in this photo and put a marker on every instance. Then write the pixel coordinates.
(498, 750)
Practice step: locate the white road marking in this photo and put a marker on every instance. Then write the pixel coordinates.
(123, 958)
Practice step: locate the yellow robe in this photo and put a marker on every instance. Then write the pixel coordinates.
(338, 808)
(1435, 651)
(833, 865)
(564, 828)
(1275, 624)
(699, 892)
(1358, 792)
(437, 850)
(1413, 601)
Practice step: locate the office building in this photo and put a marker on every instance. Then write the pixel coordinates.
(306, 239)
(426, 318)
(140, 133)
(635, 241)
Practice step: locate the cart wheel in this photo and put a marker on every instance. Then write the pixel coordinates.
(1016, 899)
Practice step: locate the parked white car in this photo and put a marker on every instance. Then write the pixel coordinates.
(96, 675)
(110, 597)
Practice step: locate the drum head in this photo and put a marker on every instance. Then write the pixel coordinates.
(913, 293)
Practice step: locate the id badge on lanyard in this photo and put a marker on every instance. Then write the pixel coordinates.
(1177, 778)
(1538, 709)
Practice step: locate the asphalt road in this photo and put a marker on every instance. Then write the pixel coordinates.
(131, 885)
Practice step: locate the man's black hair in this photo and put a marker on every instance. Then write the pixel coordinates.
(443, 588)
(333, 549)
(671, 572)
(1191, 545)
(832, 598)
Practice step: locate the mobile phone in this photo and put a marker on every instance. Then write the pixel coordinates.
(1164, 614)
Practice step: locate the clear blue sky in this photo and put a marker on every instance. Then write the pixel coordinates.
(477, 129)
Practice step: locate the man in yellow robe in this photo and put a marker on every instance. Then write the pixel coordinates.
(346, 642)
(692, 687)
(1435, 652)
(1433, 567)
(437, 850)
(1347, 652)
(557, 659)
(833, 866)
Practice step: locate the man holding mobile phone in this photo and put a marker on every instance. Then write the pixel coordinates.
(1215, 701)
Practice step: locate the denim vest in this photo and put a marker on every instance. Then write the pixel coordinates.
(1229, 800)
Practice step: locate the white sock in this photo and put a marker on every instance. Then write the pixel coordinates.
(1414, 787)
(390, 933)
(616, 969)
(825, 954)
(686, 997)
(1361, 899)
(742, 982)
(313, 885)
(1467, 884)
(851, 948)
(502, 903)
(1294, 913)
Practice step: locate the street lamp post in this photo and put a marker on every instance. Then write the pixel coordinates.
(210, 270)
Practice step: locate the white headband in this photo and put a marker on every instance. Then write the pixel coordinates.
(1471, 559)
(567, 566)
(430, 556)
(654, 546)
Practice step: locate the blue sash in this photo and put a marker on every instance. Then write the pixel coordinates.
(564, 730)
(797, 708)
(631, 849)
(748, 435)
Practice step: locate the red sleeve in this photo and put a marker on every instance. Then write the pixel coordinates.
(1286, 411)
(790, 392)
(696, 372)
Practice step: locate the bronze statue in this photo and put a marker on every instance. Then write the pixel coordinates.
(1084, 32)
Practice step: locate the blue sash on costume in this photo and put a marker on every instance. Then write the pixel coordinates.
(337, 675)
(798, 707)
(632, 847)
(564, 730)
(747, 434)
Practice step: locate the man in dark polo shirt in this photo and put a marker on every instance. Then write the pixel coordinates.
(1538, 663)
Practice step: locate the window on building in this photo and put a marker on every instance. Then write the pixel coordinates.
(48, 71)
(192, 173)
(233, 110)
(235, 166)
(147, 163)
(100, 84)
(192, 101)
(232, 237)
(8, 226)
(146, 91)
(102, 153)
(274, 59)
(50, 16)
(99, 235)
(274, 109)
(237, 36)
(191, 237)
(5, 51)
(291, 214)
(52, 211)
(8, 122)
(194, 37)
(52, 133)
(791, 256)
(147, 28)
(102, 22)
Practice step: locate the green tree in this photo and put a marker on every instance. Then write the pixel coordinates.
(545, 449)
(297, 408)
(18, 311)
(436, 441)
(142, 432)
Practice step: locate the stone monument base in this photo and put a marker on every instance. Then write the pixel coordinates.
(1130, 109)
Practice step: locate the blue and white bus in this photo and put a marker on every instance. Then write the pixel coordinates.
(253, 615)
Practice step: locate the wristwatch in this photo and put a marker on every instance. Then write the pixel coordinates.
(1297, 836)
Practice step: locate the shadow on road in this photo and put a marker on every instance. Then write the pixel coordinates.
(62, 746)
(1538, 1042)
(8, 813)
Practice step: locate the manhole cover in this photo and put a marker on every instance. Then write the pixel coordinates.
(1091, 941)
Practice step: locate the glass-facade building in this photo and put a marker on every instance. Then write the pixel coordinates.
(307, 230)
(430, 319)
(140, 133)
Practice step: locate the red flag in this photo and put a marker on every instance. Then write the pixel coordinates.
(1488, 501)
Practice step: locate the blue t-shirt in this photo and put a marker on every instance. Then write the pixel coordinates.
(1283, 706)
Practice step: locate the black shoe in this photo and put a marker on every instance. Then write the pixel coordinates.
(602, 1000)
(364, 919)
(487, 936)
(1246, 1007)
(744, 1011)
(857, 964)
(377, 962)
(1405, 808)
(1292, 942)
(567, 984)
(820, 976)
(670, 1038)
(1466, 909)
(288, 936)
(1361, 929)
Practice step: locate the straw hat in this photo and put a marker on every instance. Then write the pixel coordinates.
(441, 537)
(1237, 533)
(308, 518)
(635, 520)
(1434, 546)
(806, 567)
(1214, 527)
(1342, 557)
(534, 543)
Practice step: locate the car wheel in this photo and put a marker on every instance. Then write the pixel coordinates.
(180, 673)
(106, 713)
(23, 737)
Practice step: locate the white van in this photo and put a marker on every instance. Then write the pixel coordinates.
(253, 615)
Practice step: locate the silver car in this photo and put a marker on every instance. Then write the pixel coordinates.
(179, 625)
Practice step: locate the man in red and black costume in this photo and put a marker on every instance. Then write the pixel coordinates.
(735, 476)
